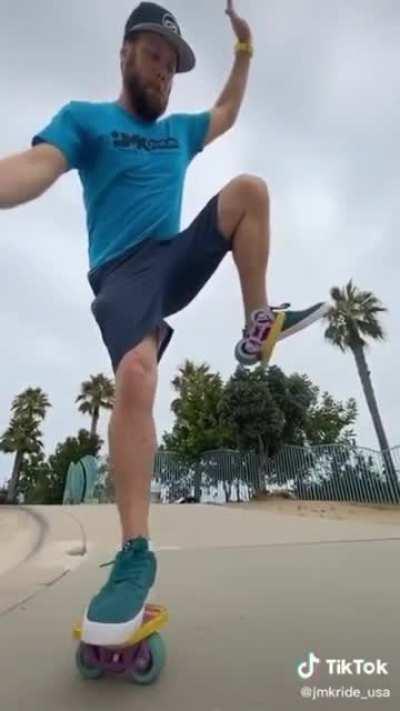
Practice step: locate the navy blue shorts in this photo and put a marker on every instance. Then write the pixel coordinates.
(155, 279)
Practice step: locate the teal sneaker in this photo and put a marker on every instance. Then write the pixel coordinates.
(270, 325)
(117, 611)
(296, 321)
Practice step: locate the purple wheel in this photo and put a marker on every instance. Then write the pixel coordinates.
(85, 663)
(149, 661)
(243, 357)
(144, 659)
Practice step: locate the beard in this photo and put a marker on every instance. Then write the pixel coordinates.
(149, 104)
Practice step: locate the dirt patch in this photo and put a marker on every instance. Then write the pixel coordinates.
(280, 503)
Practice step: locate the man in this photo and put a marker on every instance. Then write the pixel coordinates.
(142, 269)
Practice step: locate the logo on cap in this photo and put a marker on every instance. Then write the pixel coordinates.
(170, 22)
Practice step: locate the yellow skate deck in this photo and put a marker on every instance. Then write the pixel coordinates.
(273, 336)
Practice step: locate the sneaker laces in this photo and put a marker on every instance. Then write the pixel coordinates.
(282, 307)
(129, 564)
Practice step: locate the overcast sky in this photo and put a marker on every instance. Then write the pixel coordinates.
(320, 123)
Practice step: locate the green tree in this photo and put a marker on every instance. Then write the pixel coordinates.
(309, 421)
(71, 450)
(352, 320)
(293, 395)
(248, 408)
(96, 393)
(255, 410)
(23, 435)
(197, 426)
(326, 422)
(34, 477)
(31, 475)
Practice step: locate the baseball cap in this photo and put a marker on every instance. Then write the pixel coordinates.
(154, 18)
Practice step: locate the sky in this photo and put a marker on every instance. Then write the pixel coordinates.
(320, 123)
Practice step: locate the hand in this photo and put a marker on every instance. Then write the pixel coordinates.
(240, 27)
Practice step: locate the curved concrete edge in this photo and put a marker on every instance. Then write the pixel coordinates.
(61, 525)
(58, 545)
(21, 534)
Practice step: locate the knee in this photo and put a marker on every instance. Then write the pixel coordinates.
(253, 187)
(136, 383)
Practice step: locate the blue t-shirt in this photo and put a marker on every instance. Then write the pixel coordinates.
(132, 171)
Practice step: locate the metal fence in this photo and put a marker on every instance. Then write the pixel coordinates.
(218, 476)
(338, 473)
(328, 473)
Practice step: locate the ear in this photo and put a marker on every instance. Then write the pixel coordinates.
(122, 55)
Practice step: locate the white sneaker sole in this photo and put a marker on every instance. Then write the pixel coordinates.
(107, 634)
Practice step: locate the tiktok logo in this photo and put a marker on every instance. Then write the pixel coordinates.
(306, 669)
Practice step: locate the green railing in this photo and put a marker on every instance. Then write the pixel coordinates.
(328, 473)
(338, 473)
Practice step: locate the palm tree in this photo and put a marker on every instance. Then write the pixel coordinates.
(352, 319)
(23, 434)
(96, 393)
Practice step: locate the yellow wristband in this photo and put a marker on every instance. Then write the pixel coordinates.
(244, 47)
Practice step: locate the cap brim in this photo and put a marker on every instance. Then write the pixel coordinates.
(187, 59)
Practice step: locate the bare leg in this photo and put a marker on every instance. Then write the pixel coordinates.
(132, 437)
(250, 253)
(244, 217)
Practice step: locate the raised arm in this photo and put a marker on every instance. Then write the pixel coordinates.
(226, 110)
(27, 175)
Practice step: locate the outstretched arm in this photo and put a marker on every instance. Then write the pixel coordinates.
(25, 176)
(226, 109)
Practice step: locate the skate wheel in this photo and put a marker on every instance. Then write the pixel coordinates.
(86, 670)
(149, 662)
(243, 357)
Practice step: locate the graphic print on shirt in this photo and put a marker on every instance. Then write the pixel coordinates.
(134, 140)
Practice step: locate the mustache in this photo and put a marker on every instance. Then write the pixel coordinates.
(139, 86)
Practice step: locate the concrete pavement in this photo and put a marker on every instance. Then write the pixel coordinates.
(250, 594)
